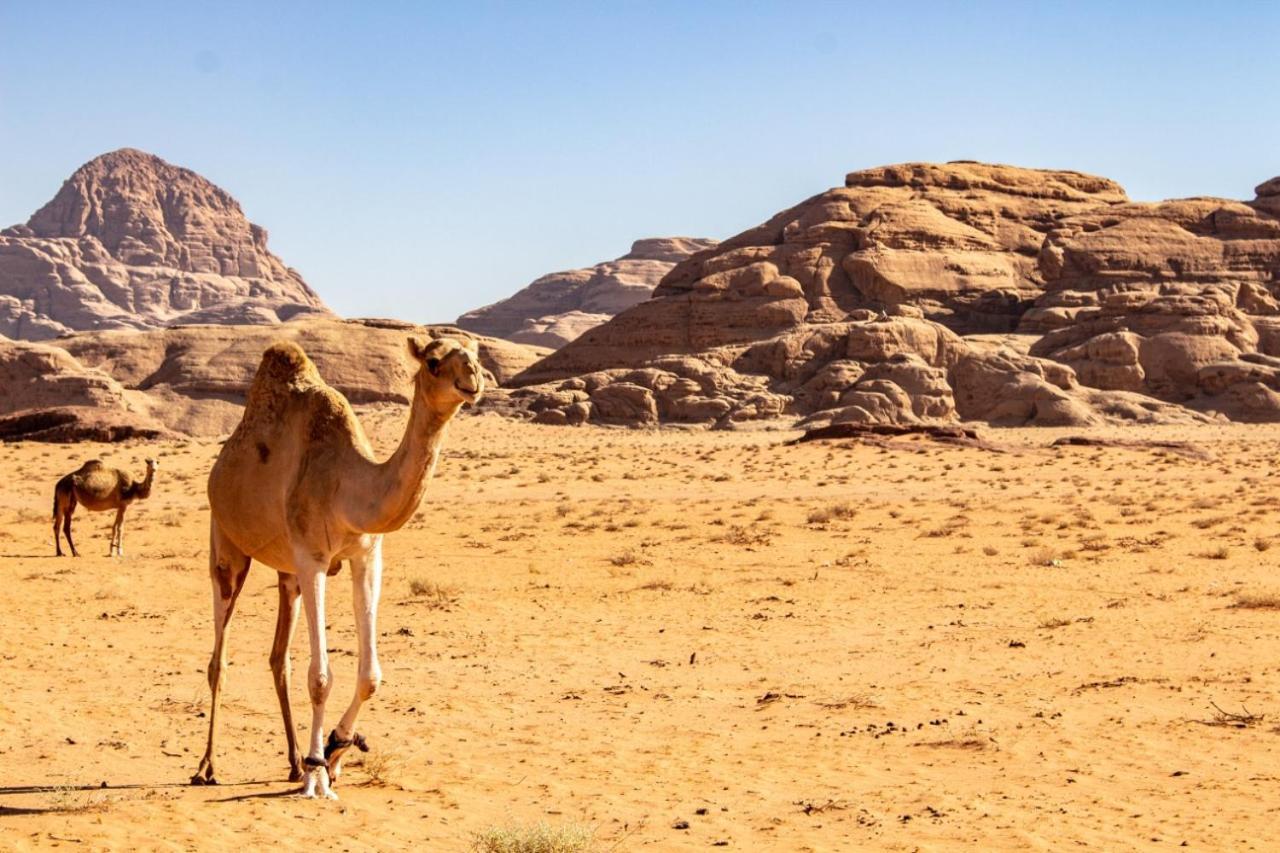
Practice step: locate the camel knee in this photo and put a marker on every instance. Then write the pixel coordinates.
(369, 684)
(318, 682)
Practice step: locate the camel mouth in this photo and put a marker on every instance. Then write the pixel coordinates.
(469, 394)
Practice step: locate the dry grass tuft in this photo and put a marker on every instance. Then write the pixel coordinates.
(1257, 601)
(538, 838)
(381, 767)
(434, 595)
(824, 515)
(738, 535)
(857, 701)
(1043, 557)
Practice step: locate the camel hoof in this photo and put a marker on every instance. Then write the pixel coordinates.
(295, 775)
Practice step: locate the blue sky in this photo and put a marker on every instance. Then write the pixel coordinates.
(416, 160)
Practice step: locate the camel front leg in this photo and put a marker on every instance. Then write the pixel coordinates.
(366, 582)
(286, 618)
(115, 532)
(311, 579)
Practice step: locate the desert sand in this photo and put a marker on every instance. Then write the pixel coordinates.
(683, 640)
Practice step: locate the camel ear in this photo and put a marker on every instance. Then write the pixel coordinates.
(418, 347)
(429, 352)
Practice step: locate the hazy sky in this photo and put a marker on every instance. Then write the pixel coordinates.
(417, 160)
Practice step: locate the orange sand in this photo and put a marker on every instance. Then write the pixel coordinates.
(824, 647)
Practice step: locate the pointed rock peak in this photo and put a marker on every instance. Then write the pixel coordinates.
(148, 212)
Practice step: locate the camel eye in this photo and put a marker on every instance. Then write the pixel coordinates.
(433, 364)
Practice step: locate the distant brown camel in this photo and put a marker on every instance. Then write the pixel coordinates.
(99, 488)
(297, 487)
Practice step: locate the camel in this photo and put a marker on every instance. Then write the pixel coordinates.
(99, 488)
(297, 487)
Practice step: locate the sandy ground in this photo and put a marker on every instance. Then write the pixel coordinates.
(685, 640)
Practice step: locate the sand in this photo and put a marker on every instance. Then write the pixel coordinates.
(681, 640)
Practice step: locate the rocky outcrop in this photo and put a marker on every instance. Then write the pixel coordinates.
(133, 242)
(559, 307)
(869, 303)
(47, 394)
(870, 369)
(193, 379)
(959, 241)
(1178, 300)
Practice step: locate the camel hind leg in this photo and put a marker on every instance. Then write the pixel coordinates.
(228, 568)
(57, 526)
(64, 504)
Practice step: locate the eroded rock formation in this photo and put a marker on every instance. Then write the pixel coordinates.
(876, 303)
(133, 242)
(193, 379)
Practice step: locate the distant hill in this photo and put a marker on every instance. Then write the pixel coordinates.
(560, 306)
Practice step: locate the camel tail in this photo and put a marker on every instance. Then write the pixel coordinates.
(57, 495)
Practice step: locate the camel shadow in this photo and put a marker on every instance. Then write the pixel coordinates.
(265, 795)
(14, 790)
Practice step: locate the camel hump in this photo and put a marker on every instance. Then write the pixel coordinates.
(283, 365)
(91, 465)
(283, 371)
(283, 362)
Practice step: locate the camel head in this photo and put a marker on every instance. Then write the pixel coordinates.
(153, 464)
(450, 374)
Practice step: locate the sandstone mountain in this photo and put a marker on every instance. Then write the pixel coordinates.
(943, 292)
(559, 307)
(132, 242)
(193, 380)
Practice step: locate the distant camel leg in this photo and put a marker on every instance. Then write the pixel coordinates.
(57, 526)
(311, 578)
(228, 569)
(286, 619)
(117, 534)
(366, 586)
(66, 524)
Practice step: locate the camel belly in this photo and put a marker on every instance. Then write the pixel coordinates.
(96, 505)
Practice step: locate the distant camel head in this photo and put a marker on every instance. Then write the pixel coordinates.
(451, 373)
(153, 464)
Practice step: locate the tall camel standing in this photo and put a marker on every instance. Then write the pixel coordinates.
(99, 488)
(297, 487)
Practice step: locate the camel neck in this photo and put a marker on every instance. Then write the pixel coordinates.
(143, 489)
(393, 497)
